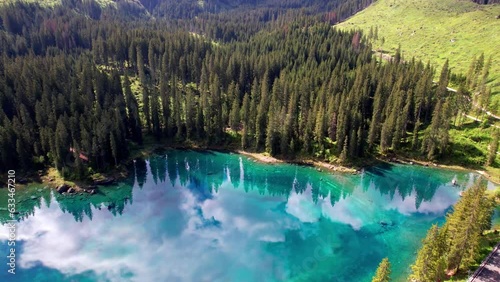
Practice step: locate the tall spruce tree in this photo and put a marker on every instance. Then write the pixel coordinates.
(383, 273)
(430, 264)
(470, 217)
(134, 119)
(493, 148)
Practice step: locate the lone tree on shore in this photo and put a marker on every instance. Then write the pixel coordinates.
(383, 271)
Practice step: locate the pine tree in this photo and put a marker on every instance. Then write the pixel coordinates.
(140, 66)
(216, 125)
(200, 131)
(165, 97)
(132, 57)
(272, 128)
(343, 155)
(287, 135)
(376, 116)
(485, 100)
(383, 272)
(430, 258)
(151, 58)
(420, 103)
(436, 138)
(133, 112)
(61, 144)
(245, 117)
(146, 107)
(262, 111)
(155, 114)
(470, 74)
(190, 113)
(234, 116)
(177, 109)
(470, 217)
(114, 148)
(478, 66)
(270, 134)
(319, 130)
(388, 130)
(493, 148)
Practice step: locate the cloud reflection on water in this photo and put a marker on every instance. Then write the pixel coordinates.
(180, 229)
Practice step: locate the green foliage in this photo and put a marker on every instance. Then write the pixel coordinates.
(470, 217)
(493, 148)
(459, 242)
(436, 137)
(430, 263)
(435, 30)
(383, 272)
(296, 87)
(469, 144)
(48, 3)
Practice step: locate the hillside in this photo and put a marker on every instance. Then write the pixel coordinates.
(263, 10)
(103, 3)
(436, 30)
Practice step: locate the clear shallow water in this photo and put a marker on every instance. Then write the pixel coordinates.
(205, 216)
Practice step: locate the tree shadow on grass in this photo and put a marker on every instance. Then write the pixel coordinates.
(466, 155)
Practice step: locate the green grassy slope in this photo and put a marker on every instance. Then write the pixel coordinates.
(436, 30)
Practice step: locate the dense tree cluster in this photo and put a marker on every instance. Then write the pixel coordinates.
(476, 80)
(73, 85)
(456, 244)
(338, 9)
(56, 107)
(485, 2)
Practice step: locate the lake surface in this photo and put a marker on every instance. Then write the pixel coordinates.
(208, 216)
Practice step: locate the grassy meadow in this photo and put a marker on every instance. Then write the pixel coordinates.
(435, 30)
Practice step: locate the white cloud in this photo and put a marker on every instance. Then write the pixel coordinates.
(137, 243)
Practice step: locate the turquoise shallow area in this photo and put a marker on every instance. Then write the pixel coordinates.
(208, 216)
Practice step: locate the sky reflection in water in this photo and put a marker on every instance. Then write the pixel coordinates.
(202, 216)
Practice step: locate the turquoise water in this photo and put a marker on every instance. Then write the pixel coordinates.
(207, 216)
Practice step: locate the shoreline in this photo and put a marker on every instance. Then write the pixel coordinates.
(264, 158)
(412, 161)
(51, 177)
(260, 157)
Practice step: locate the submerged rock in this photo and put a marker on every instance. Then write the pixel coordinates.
(22, 180)
(386, 223)
(62, 188)
(91, 190)
(105, 181)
